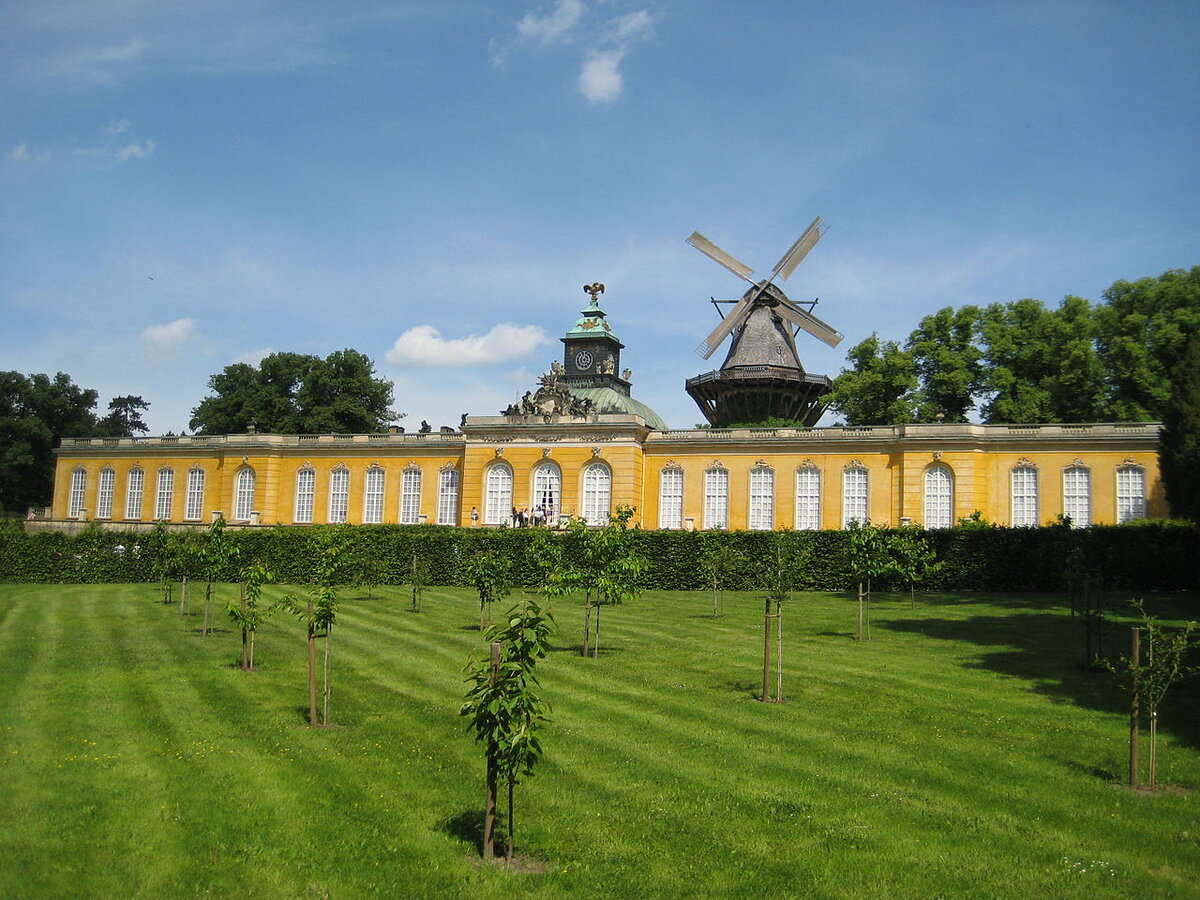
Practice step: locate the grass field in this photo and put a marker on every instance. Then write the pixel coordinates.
(963, 752)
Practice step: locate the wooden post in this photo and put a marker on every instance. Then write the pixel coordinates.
(766, 687)
(587, 626)
(245, 631)
(860, 610)
(596, 641)
(312, 667)
(1135, 711)
(778, 653)
(489, 810)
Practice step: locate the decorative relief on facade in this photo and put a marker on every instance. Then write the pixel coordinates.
(715, 464)
(1077, 463)
(499, 452)
(761, 464)
(595, 452)
(413, 466)
(855, 463)
(448, 467)
(545, 453)
(807, 464)
(1026, 463)
(1130, 461)
(671, 464)
(937, 455)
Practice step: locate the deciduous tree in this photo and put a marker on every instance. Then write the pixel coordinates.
(1179, 440)
(879, 387)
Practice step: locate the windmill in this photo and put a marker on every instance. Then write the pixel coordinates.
(762, 376)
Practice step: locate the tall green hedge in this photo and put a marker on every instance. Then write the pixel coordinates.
(1144, 556)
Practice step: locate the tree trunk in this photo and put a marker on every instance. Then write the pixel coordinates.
(596, 642)
(587, 624)
(766, 684)
(252, 634)
(207, 606)
(1135, 711)
(245, 633)
(511, 822)
(489, 809)
(860, 610)
(312, 668)
(716, 605)
(481, 605)
(183, 595)
(778, 653)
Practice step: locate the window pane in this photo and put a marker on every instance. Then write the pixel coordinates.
(716, 498)
(597, 491)
(854, 496)
(133, 496)
(1024, 496)
(104, 494)
(762, 499)
(670, 498)
(243, 502)
(78, 491)
(497, 507)
(939, 497)
(373, 497)
(164, 494)
(448, 497)
(339, 495)
(547, 490)
(1077, 496)
(195, 495)
(410, 497)
(1131, 493)
(306, 485)
(808, 499)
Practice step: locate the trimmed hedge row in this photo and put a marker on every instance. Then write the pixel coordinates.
(1143, 556)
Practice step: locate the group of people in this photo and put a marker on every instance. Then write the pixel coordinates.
(541, 515)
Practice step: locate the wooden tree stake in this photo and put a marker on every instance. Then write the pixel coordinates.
(489, 809)
(1135, 711)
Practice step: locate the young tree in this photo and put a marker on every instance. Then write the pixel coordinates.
(779, 574)
(319, 613)
(913, 558)
(489, 575)
(217, 556)
(248, 614)
(418, 576)
(602, 564)
(1179, 439)
(721, 561)
(505, 710)
(1157, 661)
(869, 560)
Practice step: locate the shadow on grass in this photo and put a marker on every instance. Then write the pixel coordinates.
(1046, 649)
(466, 826)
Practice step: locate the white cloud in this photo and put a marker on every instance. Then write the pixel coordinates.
(423, 346)
(21, 153)
(162, 343)
(634, 26)
(134, 151)
(599, 79)
(552, 27)
(118, 127)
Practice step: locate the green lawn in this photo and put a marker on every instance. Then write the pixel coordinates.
(961, 753)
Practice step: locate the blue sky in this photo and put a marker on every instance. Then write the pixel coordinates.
(184, 185)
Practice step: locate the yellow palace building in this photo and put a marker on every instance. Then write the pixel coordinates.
(582, 445)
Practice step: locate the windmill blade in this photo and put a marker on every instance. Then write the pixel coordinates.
(730, 322)
(716, 254)
(799, 250)
(810, 323)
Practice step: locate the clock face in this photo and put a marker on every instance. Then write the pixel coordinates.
(583, 360)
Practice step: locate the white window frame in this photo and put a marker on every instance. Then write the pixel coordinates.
(939, 496)
(670, 498)
(1077, 495)
(134, 489)
(105, 487)
(339, 495)
(448, 497)
(194, 510)
(808, 499)
(856, 495)
(164, 494)
(547, 489)
(716, 498)
(243, 494)
(597, 493)
(410, 496)
(306, 492)
(1131, 493)
(374, 486)
(1023, 487)
(78, 497)
(761, 515)
(497, 505)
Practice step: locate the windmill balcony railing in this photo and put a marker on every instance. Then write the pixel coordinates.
(784, 372)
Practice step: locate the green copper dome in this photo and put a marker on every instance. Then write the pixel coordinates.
(592, 322)
(608, 400)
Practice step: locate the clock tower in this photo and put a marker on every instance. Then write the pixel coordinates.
(591, 352)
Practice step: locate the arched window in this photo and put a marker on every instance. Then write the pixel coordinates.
(164, 493)
(243, 494)
(939, 497)
(339, 494)
(75, 503)
(497, 504)
(410, 496)
(194, 510)
(104, 493)
(716, 498)
(373, 484)
(547, 490)
(855, 487)
(448, 497)
(597, 494)
(133, 493)
(670, 497)
(762, 499)
(1077, 495)
(1024, 496)
(1131, 493)
(306, 489)
(808, 498)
